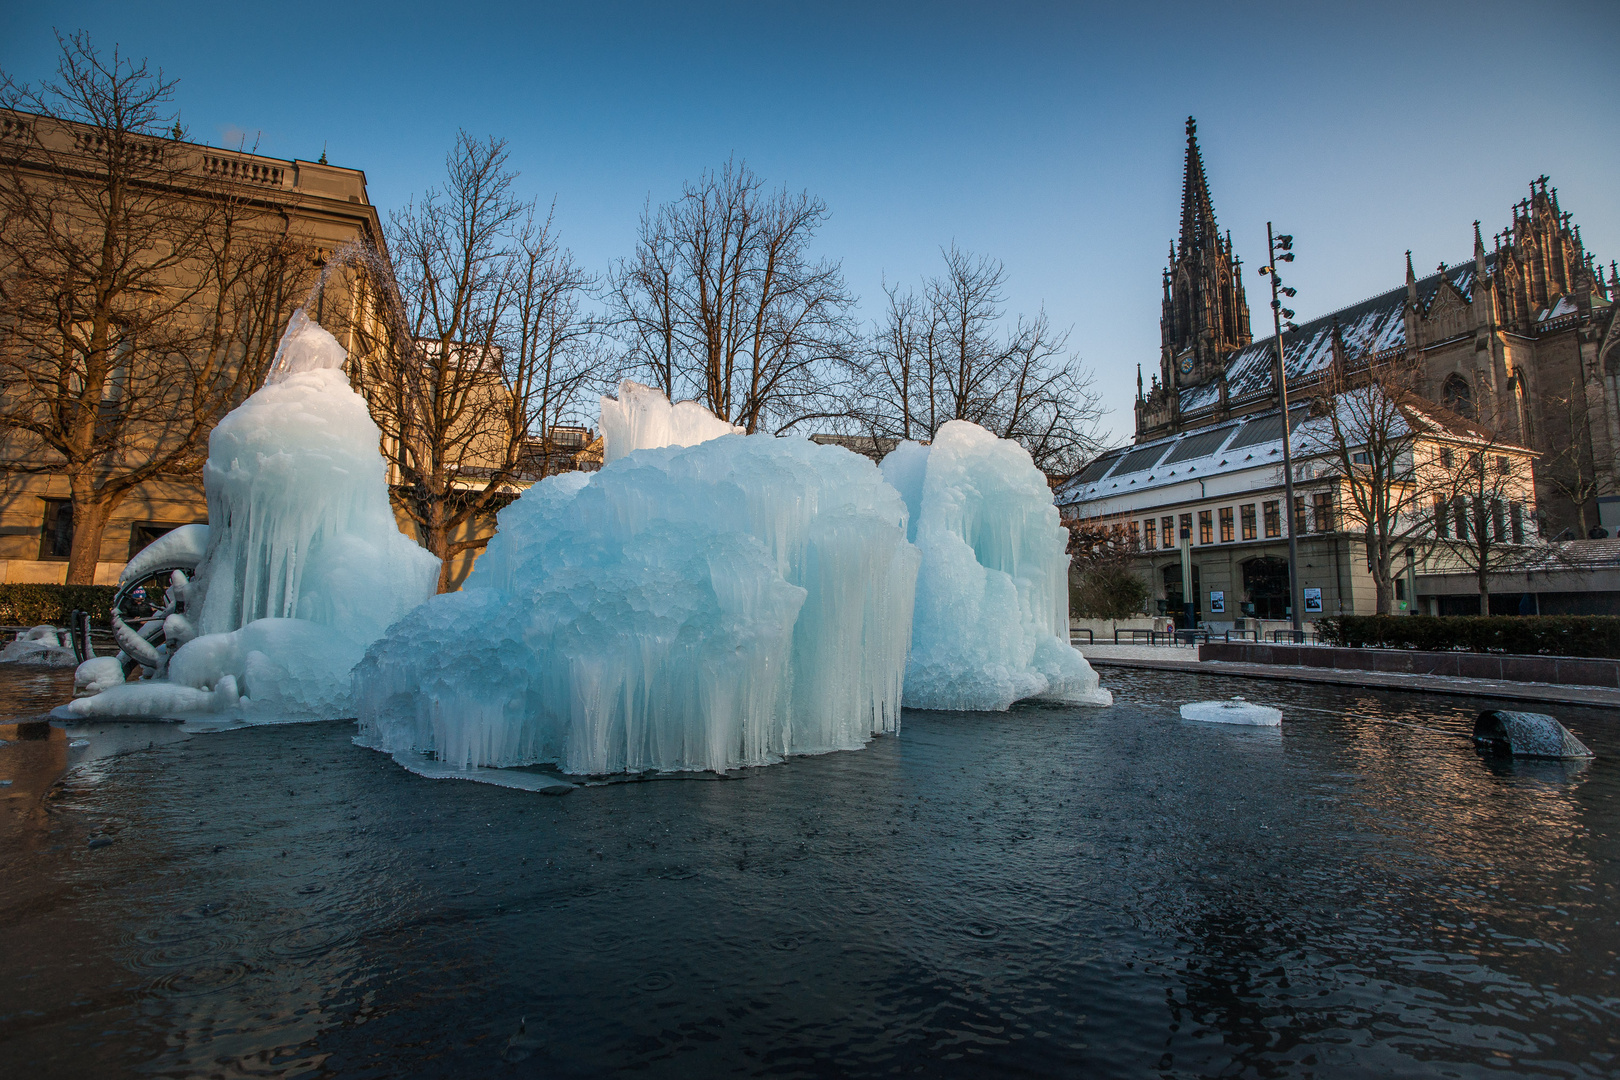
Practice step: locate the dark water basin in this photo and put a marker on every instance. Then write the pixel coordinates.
(1041, 893)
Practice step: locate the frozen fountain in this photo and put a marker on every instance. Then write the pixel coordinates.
(707, 600)
(300, 567)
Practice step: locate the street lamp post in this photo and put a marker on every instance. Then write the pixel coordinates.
(1280, 249)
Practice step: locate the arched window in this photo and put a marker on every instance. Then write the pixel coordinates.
(1458, 396)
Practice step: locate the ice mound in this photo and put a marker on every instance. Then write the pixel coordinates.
(992, 611)
(304, 564)
(643, 419)
(705, 607)
(1234, 711)
(43, 645)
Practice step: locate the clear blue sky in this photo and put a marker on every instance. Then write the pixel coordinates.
(1047, 135)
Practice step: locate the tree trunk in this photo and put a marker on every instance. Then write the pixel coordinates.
(1484, 595)
(436, 538)
(1385, 593)
(90, 513)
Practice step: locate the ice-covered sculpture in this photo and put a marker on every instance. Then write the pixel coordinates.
(301, 566)
(992, 613)
(708, 606)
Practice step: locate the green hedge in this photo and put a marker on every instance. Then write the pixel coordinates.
(33, 604)
(1526, 635)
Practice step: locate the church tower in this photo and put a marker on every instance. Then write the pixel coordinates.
(1206, 316)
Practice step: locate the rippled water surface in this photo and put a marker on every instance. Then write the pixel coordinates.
(1044, 892)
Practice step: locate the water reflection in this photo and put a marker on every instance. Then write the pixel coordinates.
(1047, 891)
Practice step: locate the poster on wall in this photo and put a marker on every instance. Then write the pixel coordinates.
(1313, 599)
(1217, 600)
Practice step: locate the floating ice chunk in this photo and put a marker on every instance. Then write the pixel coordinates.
(1233, 711)
(702, 607)
(643, 419)
(992, 610)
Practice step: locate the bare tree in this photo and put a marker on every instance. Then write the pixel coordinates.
(1103, 583)
(483, 347)
(1482, 494)
(1569, 468)
(948, 354)
(554, 349)
(1367, 423)
(724, 303)
(142, 299)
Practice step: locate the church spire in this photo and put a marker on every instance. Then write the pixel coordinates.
(1197, 212)
(1206, 316)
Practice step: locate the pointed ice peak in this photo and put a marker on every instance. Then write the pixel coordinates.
(642, 418)
(306, 346)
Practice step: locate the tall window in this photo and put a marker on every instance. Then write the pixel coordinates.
(1150, 534)
(1226, 525)
(1498, 520)
(1206, 526)
(1299, 514)
(1186, 526)
(1442, 519)
(1136, 539)
(56, 536)
(1462, 519)
(1246, 512)
(1169, 524)
(1516, 515)
(1322, 511)
(1458, 396)
(1273, 519)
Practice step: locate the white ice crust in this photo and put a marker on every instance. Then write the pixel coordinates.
(643, 419)
(184, 547)
(305, 565)
(992, 611)
(43, 645)
(710, 606)
(1233, 711)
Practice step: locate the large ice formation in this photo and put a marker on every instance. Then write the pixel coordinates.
(703, 606)
(992, 613)
(304, 565)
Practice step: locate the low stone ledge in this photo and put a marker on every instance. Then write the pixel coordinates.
(1559, 670)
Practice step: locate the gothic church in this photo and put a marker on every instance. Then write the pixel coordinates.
(1522, 337)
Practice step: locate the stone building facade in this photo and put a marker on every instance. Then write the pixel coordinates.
(316, 206)
(1522, 338)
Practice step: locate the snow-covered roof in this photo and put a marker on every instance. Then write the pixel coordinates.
(1374, 325)
(1253, 442)
(1565, 306)
(1207, 452)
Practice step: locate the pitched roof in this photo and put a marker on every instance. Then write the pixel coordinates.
(1374, 325)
